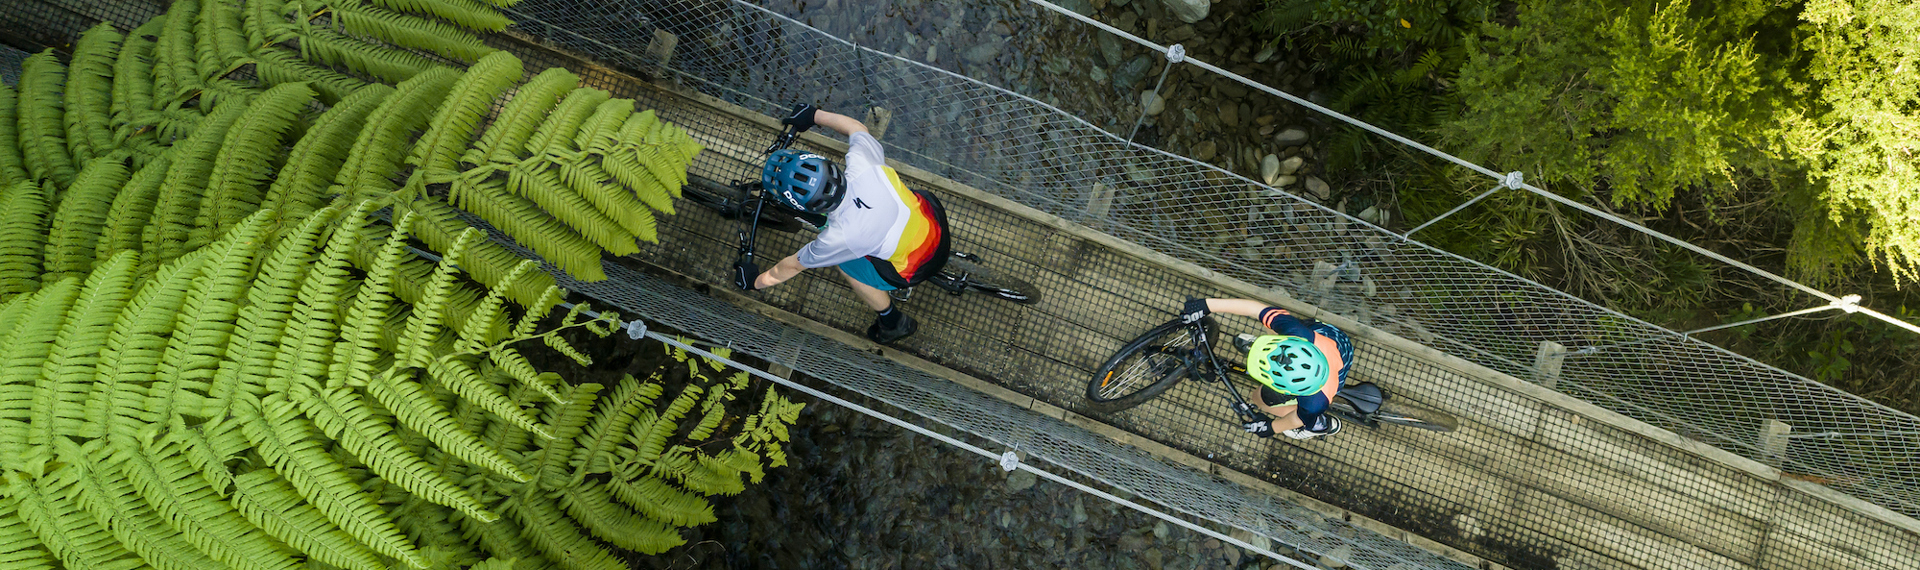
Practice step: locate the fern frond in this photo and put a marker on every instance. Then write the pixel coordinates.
(89, 93)
(11, 169)
(610, 426)
(590, 505)
(411, 406)
(423, 326)
(342, 416)
(264, 24)
(630, 166)
(252, 145)
(66, 378)
(165, 236)
(286, 441)
(590, 181)
(543, 187)
(175, 51)
(506, 138)
(42, 111)
(543, 524)
(354, 354)
(161, 473)
(320, 44)
(302, 181)
(118, 399)
(23, 234)
(661, 501)
(487, 262)
(133, 69)
(532, 227)
(651, 431)
(410, 31)
(375, 157)
(277, 65)
(199, 338)
(560, 126)
(75, 230)
(116, 506)
(605, 122)
(273, 504)
(131, 209)
(711, 413)
(464, 13)
(565, 422)
(517, 366)
(468, 101)
(69, 532)
(22, 356)
(20, 548)
(458, 375)
(269, 306)
(312, 328)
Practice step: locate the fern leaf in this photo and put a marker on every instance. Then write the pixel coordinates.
(591, 506)
(410, 31)
(375, 157)
(464, 13)
(269, 306)
(564, 422)
(23, 234)
(661, 501)
(605, 122)
(162, 475)
(543, 524)
(68, 531)
(165, 236)
(199, 339)
(131, 209)
(467, 102)
(487, 324)
(42, 130)
(12, 171)
(116, 506)
(22, 355)
(272, 503)
(75, 230)
(133, 74)
(532, 227)
(610, 426)
(300, 185)
(543, 187)
(286, 441)
(651, 431)
(138, 338)
(588, 180)
(20, 548)
(559, 128)
(66, 378)
(487, 262)
(320, 44)
(252, 145)
(277, 65)
(423, 326)
(312, 328)
(629, 166)
(176, 52)
(408, 401)
(342, 416)
(516, 365)
(372, 306)
(89, 92)
(506, 138)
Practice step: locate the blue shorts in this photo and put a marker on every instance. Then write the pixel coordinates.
(862, 270)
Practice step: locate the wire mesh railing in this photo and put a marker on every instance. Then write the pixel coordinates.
(1036, 154)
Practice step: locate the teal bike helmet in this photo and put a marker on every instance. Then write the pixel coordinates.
(1288, 364)
(803, 181)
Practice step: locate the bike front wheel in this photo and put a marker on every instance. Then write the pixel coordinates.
(979, 278)
(1142, 369)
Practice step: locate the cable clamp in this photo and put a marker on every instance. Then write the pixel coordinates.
(1009, 461)
(636, 329)
(1176, 53)
(1514, 180)
(1849, 303)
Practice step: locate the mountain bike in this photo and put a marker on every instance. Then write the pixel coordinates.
(741, 201)
(1154, 362)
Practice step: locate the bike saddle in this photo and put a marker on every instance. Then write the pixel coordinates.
(1365, 397)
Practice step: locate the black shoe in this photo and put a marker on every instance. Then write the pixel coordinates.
(886, 335)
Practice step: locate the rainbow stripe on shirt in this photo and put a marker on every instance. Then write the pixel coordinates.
(921, 239)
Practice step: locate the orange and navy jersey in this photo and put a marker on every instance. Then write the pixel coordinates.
(880, 218)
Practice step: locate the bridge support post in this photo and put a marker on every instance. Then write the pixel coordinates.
(660, 50)
(1547, 361)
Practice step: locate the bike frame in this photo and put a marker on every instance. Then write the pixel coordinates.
(1199, 330)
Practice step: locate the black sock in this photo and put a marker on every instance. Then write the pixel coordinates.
(890, 318)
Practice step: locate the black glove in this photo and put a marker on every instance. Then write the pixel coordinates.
(801, 118)
(744, 274)
(1195, 310)
(1262, 428)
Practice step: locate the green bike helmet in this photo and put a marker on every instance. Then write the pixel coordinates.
(1288, 364)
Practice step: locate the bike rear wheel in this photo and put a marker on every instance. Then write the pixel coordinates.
(1142, 369)
(981, 279)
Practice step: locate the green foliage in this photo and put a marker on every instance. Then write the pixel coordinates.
(89, 93)
(42, 129)
(23, 234)
(11, 169)
(74, 233)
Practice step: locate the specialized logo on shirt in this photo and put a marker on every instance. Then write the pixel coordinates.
(862, 205)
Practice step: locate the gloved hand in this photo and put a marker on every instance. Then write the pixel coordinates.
(1194, 310)
(1262, 428)
(744, 274)
(801, 118)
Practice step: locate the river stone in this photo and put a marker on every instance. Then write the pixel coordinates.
(1080, 6)
(1127, 20)
(1291, 165)
(1098, 75)
(1337, 558)
(1188, 11)
(1191, 116)
(1269, 168)
(1204, 151)
(1155, 559)
(984, 52)
(1180, 34)
(1152, 102)
(1318, 188)
(1229, 115)
(1056, 65)
(1110, 48)
(1291, 136)
(1160, 530)
(1118, 3)
(1284, 181)
(1021, 480)
(1129, 74)
(1266, 53)
(1132, 542)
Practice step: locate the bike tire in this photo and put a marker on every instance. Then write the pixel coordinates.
(1144, 367)
(991, 283)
